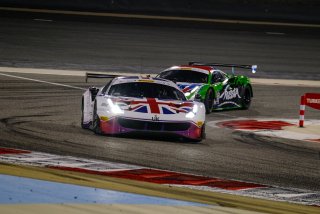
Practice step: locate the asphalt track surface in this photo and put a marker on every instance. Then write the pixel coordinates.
(43, 117)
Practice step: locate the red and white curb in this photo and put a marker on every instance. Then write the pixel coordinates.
(281, 128)
(133, 172)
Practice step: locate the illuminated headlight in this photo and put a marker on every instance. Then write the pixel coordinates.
(115, 109)
(192, 113)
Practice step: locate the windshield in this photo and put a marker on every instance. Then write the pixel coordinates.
(185, 76)
(149, 90)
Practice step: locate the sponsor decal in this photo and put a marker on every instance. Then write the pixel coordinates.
(280, 128)
(254, 124)
(226, 96)
(230, 94)
(313, 100)
(155, 118)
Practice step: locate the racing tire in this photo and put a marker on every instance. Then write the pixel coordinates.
(246, 98)
(82, 115)
(96, 121)
(208, 101)
(203, 132)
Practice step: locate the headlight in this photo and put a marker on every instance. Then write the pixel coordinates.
(192, 113)
(115, 109)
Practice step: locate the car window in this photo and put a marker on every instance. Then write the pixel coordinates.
(105, 88)
(149, 90)
(185, 76)
(217, 76)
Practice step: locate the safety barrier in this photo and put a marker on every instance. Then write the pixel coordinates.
(309, 99)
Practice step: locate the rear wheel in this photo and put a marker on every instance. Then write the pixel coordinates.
(96, 120)
(246, 98)
(208, 101)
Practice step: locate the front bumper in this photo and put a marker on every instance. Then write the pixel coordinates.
(119, 125)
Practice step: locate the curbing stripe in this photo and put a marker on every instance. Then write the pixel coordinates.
(242, 204)
(132, 172)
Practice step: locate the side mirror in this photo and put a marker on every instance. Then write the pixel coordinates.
(231, 80)
(94, 91)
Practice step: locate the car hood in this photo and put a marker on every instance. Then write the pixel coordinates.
(152, 105)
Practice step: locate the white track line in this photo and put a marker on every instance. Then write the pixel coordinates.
(255, 81)
(42, 81)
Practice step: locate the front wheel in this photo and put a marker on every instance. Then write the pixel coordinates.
(203, 132)
(96, 120)
(208, 101)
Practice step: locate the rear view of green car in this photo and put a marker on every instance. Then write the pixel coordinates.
(216, 89)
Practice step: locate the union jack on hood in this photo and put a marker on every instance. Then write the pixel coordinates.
(154, 105)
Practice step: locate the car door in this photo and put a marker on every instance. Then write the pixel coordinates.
(228, 94)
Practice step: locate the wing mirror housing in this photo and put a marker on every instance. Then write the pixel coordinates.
(93, 91)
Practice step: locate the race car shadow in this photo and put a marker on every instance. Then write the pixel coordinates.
(155, 136)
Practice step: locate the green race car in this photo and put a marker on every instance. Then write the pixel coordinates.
(216, 89)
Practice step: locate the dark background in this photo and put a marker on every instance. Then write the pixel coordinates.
(267, 10)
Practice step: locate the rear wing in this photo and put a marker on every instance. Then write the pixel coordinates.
(253, 68)
(99, 75)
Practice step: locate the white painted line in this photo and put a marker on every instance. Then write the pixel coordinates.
(295, 195)
(286, 82)
(255, 81)
(42, 81)
(80, 73)
(43, 20)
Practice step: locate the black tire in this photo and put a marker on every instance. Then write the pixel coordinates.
(246, 98)
(208, 101)
(82, 115)
(203, 132)
(96, 120)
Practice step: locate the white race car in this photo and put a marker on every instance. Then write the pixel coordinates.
(142, 104)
